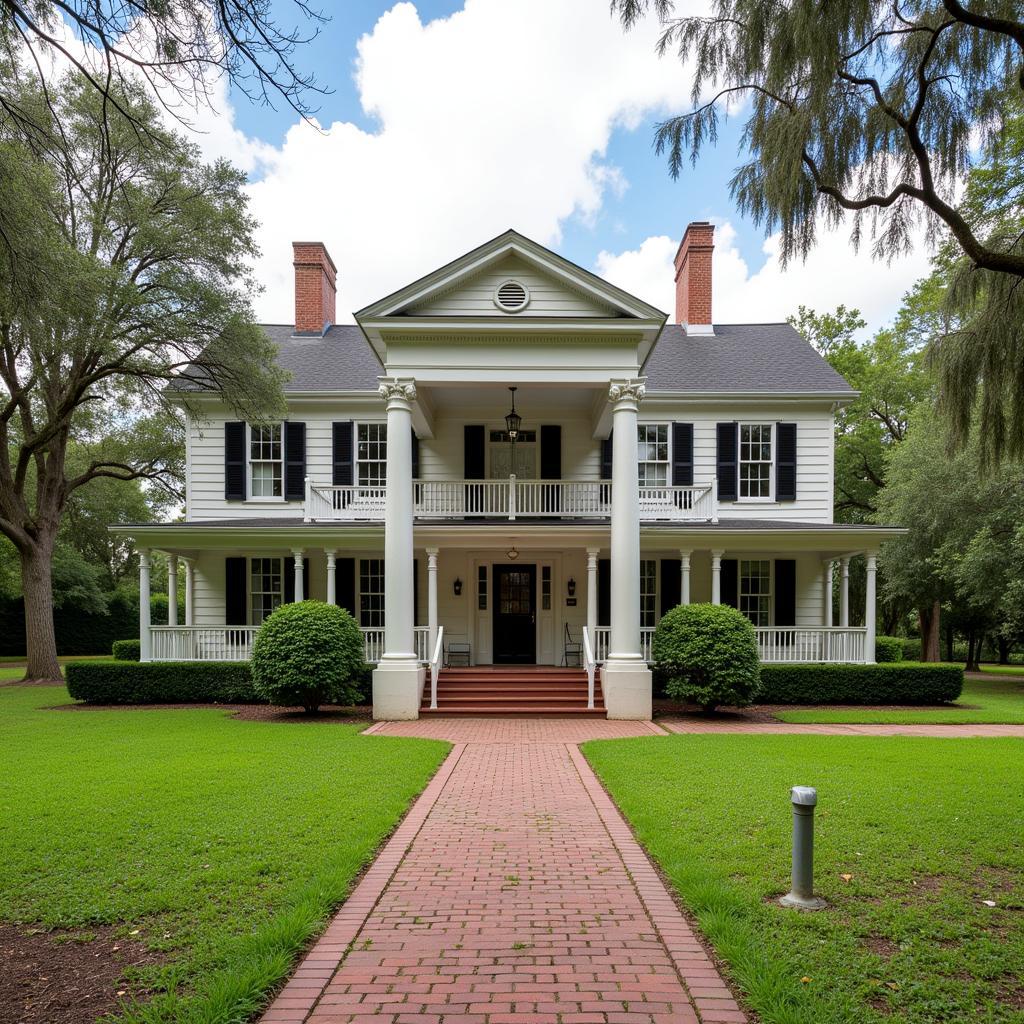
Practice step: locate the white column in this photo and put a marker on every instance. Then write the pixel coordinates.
(332, 577)
(844, 591)
(398, 678)
(431, 601)
(592, 554)
(684, 576)
(626, 678)
(145, 637)
(869, 606)
(172, 590)
(298, 554)
(190, 593)
(826, 597)
(716, 576)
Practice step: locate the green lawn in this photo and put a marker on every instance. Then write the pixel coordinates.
(982, 700)
(927, 830)
(1002, 670)
(225, 843)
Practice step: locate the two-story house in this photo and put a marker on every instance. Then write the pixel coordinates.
(512, 462)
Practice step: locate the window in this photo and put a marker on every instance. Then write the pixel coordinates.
(545, 588)
(265, 588)
(756, 591)
(481, 588)
(652, 454)
(371, 592)
(265, 469)
(372, 455)
(648, 592)
(755, 460)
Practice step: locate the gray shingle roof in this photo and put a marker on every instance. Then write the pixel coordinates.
(739, 357)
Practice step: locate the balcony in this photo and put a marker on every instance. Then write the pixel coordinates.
(511, 499)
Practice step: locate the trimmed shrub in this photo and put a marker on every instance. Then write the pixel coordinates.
(125, 650)
(308, 653)
(893, 683)
(708, 655)
(161, 682)
(889, 648)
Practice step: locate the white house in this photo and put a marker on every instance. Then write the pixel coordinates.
(647, 464)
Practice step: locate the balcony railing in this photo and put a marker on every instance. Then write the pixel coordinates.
(511, 499)
(234, 643)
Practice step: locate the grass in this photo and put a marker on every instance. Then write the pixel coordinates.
(226, 843)
(983, 700)
(1002, 670)
(925, 830)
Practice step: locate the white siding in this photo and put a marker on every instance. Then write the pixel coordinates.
(548, 296)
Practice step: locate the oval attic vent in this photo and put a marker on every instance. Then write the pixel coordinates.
(511, 296)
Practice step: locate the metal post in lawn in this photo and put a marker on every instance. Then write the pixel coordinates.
(801, 896)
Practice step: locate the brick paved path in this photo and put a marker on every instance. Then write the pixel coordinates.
(512, 893)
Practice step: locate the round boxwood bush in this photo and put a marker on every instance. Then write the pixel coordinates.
(708, 654)
(888, 648)
(308, 654)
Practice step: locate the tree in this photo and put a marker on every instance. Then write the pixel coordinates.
(866, 107)
(142, 251)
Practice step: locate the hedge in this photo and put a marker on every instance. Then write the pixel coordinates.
(170, 682)
(890, 648)
(125, 650)
(891, 683)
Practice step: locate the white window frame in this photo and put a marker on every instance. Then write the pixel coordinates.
(250, 593)
(382, 441)
(740, 462)
(363, 592)
(649, 574)
(770, 562)
(666, 462)
(250, 461)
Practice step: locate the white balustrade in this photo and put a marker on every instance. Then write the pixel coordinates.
(590, 664)
(811, 644)
(435, 666)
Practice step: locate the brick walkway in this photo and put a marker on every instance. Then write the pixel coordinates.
(512, 893)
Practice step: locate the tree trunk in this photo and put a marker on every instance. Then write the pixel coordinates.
(973, 648)
(950, 641)
(1004, 650)
(37, 587)
(929, 621)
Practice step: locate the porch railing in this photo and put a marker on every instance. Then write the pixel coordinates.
(234, 643)
(511, 499)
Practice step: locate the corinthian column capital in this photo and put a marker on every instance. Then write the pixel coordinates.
(627, 390)
(392, 388)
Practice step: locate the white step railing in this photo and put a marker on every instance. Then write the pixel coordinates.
(511, 499)
(234, 643)
(811, 644)
(435, 666)
(591, 666)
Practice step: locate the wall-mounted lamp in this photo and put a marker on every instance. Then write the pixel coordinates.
(512, 554)
(457, 587)
(571, 587)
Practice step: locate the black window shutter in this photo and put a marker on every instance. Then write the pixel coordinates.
(671, 584)
(345, 584)
(785, 592)
(234, 461)
(606, 458)
(728, 457)
(415, 456)
(729, 582)
(235, 604)
(294, 461)
(473, 457)
(785, 462)
(682, 455)
(341, 454)
(550, 452)
(604, 592)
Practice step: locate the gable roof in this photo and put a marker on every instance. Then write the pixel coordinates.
(768, 358)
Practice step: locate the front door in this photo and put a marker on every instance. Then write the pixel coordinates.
(515, 614)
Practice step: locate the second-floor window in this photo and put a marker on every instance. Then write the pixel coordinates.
(265, 466)
(372, 455)
(652, 454)
(755, 460)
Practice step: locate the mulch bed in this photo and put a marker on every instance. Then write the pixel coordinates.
(66, 977)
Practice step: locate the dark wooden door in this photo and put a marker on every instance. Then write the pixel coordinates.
(515, 614)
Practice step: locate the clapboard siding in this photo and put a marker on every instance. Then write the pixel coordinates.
(548, 297)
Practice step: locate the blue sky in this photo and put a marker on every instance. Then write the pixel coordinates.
(449, 121)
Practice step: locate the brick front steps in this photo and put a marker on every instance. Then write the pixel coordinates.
(530, 690)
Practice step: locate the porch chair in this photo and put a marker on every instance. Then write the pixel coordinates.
(572, 653)
(459, 654)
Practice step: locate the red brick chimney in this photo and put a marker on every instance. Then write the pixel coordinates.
(693, 278)
(315, 290)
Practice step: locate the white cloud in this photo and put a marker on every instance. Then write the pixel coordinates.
(833, 274)
(497, 116)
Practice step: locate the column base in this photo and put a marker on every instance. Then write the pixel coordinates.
(397, 690)
(627, 688)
